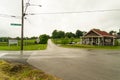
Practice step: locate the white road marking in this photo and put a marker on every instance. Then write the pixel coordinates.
(2, 54)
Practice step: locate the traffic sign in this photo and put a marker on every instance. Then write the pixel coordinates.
(15, 24)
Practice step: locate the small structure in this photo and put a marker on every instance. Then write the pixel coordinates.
(98, 37)
(12, 41)
(38, 40)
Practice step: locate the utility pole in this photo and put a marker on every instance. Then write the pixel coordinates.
(22, 20)
(22, 27)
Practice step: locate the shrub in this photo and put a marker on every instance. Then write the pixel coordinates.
(43, 39)
(65, 41)
(116, 42)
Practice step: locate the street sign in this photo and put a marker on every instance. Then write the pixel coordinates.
(15, 24)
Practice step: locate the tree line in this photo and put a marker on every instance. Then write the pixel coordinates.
(62, 34)
(55, 34)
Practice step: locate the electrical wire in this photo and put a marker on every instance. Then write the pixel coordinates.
(75, 12)
(18, 17)
(9, 16)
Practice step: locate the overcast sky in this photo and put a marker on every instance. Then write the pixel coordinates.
(36, 25)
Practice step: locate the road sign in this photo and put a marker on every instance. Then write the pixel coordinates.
(15, 24)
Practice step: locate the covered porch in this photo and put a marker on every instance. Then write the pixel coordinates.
(98, 40)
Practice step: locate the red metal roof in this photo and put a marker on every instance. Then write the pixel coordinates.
(103, 33)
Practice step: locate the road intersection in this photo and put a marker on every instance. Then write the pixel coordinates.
(71, 64)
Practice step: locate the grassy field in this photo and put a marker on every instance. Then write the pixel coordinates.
(18, 71)
(58, 41)
(28, 45)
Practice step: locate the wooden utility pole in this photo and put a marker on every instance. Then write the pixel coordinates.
(22, 27)
(22, 21)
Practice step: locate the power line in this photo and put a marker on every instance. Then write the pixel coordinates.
(9, 16)
(75, 12)
(18, 17)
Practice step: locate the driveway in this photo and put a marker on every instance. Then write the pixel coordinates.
(77, 64)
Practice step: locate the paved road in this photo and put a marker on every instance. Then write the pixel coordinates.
(77, 64)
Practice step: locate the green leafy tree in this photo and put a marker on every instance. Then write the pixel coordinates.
(18, 38)
(69, 35)
(44, 38)
(54, 34)
(118, 33)
(3, 39)
(79, 33)
(61, 34)
(112, 32)
(58, 34)
(33, 37)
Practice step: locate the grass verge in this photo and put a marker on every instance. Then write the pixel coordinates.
(90, 46)
(58, 41)
(29, 47)
(18, 71)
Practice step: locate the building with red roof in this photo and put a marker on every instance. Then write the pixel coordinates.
(98, 37)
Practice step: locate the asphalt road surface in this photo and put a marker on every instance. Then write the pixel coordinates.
(77, 64)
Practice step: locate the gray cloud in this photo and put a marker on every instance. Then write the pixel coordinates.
(69, 22)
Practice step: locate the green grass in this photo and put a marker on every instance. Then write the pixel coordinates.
(90, 46)
(18, 71)
(28, 45)
(58, 41)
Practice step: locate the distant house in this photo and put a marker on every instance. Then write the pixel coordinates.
(98, 37)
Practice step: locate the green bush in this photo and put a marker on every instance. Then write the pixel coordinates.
(43, 39)
(116, 42)
(65, 41)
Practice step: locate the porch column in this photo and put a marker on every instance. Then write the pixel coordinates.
(92, 41)
(88, 41)
(98, 41)
(103, 41)
(113, 41)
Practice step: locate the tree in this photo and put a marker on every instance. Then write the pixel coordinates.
(69, 35)
(18, 38)
(44, 38)
(79, 33)
(33, 37)
(118, 32)
(3, 39)
(58, 34)
(61, 34)
(112, 32)
(54, 34)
